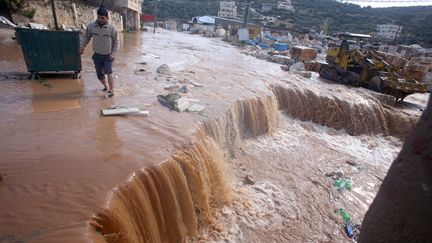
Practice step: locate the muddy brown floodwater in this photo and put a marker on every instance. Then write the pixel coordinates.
(71, 175)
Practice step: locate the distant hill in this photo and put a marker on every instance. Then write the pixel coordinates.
(312, 14)
(416, 21)
(185, 9)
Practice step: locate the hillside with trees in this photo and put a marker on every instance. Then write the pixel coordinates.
(416, 21)
(185, 9)
(312, 14)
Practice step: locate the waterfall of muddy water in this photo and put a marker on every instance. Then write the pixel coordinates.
(355, 116)
(71, 175)
(246, 119)
(167, 202)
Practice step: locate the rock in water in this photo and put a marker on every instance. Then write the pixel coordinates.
(249, 180)
(163, 69)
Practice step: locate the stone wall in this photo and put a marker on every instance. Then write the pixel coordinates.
(65, 14)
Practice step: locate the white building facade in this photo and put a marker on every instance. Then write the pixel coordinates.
(387, 31)
(285, 5)
(227, 9)
(130, 11)
(266, 7)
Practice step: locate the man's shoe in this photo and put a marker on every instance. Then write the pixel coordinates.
(110, 94)
(105, 89)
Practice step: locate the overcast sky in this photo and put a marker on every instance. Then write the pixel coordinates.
(383, 5)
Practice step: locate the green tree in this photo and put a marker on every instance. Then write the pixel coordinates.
(10, 6)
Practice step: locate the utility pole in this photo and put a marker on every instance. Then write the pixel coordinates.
(397, 32)
(325, 27)
(54, 14)
(155, 16)
(246, 14)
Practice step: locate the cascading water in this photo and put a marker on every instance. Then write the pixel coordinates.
(168, 202)
(173, 200)
(371, 117)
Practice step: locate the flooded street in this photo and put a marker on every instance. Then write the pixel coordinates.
(72, 175)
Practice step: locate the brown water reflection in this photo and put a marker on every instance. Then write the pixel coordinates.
(56, 94)
(107, 140)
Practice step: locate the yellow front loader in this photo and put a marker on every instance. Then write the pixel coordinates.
(367, 68)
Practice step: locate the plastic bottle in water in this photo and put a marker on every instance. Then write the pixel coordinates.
(345, 215)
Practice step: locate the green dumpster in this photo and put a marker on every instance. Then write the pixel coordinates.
(50, 50)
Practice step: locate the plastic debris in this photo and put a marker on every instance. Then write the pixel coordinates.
(194, 83)
(121, 111)
(264, 46)
(349, 230)
(339, 183)
(345, 215)
(249, 42)
(151, 55)
(356, 232)
(347, 184)
(343, 183)
(280, 46)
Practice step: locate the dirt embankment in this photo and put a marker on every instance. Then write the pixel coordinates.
(65, 14)
(401, 211)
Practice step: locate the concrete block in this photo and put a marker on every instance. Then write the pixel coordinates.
(303, 53)
(281, 59)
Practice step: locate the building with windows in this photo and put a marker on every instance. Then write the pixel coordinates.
(130, 11)
(285, 5)
(387, 31)
(227, 9)
(267, 7)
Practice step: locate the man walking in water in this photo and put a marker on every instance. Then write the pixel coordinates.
(105, 46)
